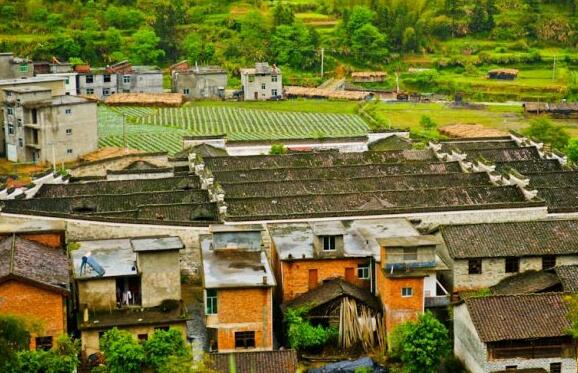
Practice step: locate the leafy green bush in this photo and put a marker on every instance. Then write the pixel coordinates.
(548, 133)
(162, 345)
(420, 345)
(302, 335)
(122, 352)
(63, 358)
(277, 149)
(572, 150)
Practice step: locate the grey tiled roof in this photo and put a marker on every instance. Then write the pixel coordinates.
(568, 275)
(555, 237)
(534, 165)
(35, 262)
(283, 361)
(517, 317)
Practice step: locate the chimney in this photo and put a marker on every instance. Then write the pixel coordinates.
(264, 280)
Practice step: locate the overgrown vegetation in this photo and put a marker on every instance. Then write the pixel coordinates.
(302, 334)
(421, 345)
(543, 130)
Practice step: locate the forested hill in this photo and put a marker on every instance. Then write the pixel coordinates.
(290, 33)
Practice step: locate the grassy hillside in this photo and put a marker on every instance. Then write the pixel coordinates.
(461, 42)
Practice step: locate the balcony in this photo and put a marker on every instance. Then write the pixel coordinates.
(33, 146)
(35, 126)
(437, 301)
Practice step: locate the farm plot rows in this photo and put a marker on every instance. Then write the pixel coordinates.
(161, 129)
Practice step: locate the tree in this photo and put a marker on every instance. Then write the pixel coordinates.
(169, 14)
(478, 19)
(302, 334)
(572, 153)
(254, 36)
(14, 336)
(122, 352)
(409, 40)
(196, 50)
(283, 14)
(421, 345)
(359, 17)
(62, 358)
(162, 345)
(144, 47)
(294, 46)
(368, 44)
(544, 131)
(491, 11)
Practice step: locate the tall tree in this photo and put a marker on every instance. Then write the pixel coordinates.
(478, 18)
(144, 48)
(283, 14)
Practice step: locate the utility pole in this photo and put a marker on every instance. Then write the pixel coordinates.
(554, 69)
(322, 60)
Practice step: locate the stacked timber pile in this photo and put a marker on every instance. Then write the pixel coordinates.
(294, 91)
(471, 131)
(146, 99)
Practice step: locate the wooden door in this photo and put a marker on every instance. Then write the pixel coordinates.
(312, 279)
(350, 275)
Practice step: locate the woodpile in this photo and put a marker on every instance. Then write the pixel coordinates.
(359, 324)
(471, 131)
(146, 99)
(295, 91)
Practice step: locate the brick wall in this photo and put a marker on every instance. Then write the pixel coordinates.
(35, 304)
(295, 276)
(243, 310)
(397, 308)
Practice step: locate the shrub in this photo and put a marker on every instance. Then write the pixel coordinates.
(123, 353)
(162, 345)
(302, 335)
(278, 149)
(544, 131)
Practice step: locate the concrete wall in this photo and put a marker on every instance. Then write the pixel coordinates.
(149, 82)
(9, 69)
(493, 271)
(90, 340)
(98, 85)
(160, 276)
(99, 168)
(98, 295)
(69, 83)
(199, 85)
(474, 354)
(237, 314)
(255, 87)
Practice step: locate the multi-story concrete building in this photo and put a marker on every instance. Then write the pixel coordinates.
(235, 270)
(41, 127)
(263, 82)
(133, 284)
(515, 333)
(481, 255)
(199, 82)
(14, 67)
(119, 78)
(70, 79)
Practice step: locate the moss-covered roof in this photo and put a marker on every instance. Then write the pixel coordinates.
(465, 145)
(505, 154)
(530, 166)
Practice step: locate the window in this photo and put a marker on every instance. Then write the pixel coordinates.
(126, 79)
(69, 131)
(9, 111)
(19, 122)
(10, 129)
(24, 69)
(273, 92)
(8, 93)
(143, 337)
(186, 91)
(106, 78)
(68, 111)
(409, 253)
(68, 151)
(263, 86)
(251, 78)
(67, 81)
(106, 92)
(511, 367)
(20, 142)
(273, 78)
(548, 261)
(89, 79)
(363, 271)
(512, 265)
(89, 91)
(475, 266)
(244, 339)
(328, 243)
(406, 292)
(43, 343)
(555, 367)
(211, 302)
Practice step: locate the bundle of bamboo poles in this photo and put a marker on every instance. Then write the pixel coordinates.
(360, 325)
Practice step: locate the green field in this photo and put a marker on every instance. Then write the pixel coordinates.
(162, 129)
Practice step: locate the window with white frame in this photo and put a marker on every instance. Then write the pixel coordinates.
(328, 242)
(273, 78)
(106, 92)
(273, 92)
(263, 86)
(186, 91)
(126, 79)
(363, 271)
(90, 91)
(10, 111)
(406, 292)
(89, 79)
(211, 306)
(10, 129)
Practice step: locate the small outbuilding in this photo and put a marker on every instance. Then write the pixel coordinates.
(503, 74)
(368, 76)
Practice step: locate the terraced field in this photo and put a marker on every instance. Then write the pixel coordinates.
(162, 129)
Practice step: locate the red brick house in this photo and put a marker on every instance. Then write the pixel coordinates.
(34, 281)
